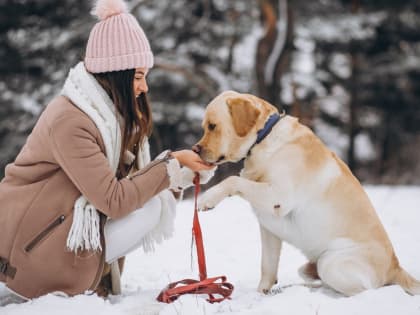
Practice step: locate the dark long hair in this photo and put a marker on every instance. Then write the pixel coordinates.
(136, 112)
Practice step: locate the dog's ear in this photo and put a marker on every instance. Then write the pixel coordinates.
(244, 115)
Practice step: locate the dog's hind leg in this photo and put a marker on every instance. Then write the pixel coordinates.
(347, 270)
(309, 271)
(270, 254)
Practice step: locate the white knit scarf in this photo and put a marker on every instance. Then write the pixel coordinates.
(86, 93)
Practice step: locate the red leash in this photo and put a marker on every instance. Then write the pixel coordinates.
(210, 286)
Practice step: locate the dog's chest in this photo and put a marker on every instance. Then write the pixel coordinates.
(301, 229)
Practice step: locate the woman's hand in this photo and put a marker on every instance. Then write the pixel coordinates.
(191, 160)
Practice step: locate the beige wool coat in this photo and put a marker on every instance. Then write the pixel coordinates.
(63, 157)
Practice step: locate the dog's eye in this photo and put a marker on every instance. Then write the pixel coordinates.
(211, 126)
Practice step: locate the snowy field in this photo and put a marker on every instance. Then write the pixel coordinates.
(231, 240)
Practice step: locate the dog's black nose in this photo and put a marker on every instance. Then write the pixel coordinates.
(196, 148)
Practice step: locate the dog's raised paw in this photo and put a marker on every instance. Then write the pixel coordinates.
(210, 199)
(204, 209)
(205, 205)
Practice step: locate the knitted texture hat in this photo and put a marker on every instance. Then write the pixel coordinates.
(116, 42)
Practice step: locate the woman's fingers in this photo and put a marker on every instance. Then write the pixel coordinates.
(192, 160)
(201, 166)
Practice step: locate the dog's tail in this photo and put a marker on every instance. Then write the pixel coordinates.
(407, 282)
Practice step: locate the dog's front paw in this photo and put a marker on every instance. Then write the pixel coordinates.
(210, 199)
(266, 285)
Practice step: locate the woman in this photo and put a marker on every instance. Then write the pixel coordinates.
(82, 192)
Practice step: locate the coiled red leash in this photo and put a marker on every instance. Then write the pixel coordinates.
(211, 286)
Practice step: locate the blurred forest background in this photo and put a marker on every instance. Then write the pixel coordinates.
(350, 70)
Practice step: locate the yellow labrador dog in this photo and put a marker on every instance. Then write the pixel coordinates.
(301, 193)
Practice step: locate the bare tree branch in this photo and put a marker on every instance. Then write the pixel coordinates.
(196, 80)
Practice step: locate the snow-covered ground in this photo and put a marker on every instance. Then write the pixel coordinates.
(231, 240)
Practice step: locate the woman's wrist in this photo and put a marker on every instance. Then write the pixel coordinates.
(173, 169)
(176, 155)
(165, 155)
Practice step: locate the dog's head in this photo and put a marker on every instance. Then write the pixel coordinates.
(230, 124)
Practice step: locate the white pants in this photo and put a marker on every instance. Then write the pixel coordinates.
(125, 234)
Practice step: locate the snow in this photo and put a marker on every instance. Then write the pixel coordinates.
(29, 104)
(245, 51)
(333, 137)
(303, 62)
(195, 112)
(218, 76)
(364, 148)
(231, 240)
(336, 103)
(340, 64)
(343, 28)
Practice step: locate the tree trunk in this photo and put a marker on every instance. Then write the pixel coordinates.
(353, 106)
(273, 49)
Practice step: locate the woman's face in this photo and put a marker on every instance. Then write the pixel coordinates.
(139, 83)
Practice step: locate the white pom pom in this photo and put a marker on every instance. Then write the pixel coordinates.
(103, 9)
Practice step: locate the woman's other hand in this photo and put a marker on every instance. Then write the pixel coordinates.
(191, 160)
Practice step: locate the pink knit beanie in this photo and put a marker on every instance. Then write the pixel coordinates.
(116, 42)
